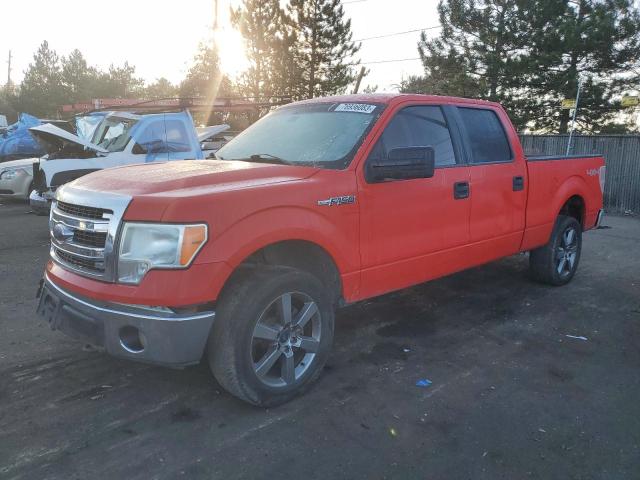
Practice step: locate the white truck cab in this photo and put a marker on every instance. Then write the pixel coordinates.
(119, 138)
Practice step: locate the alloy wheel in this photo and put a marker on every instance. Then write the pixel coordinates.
(567, 252)
(286, 339)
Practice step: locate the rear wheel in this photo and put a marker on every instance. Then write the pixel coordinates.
(272, 334)
(556, 263)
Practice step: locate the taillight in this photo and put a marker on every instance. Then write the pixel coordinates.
(602, 173)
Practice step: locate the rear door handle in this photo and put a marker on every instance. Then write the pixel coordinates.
(460, 190)
(518, 183)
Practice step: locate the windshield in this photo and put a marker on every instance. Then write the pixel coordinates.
(86, 125)
(325, 135)
(113, 134)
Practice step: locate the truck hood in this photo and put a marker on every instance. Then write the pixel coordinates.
(53, 139)
(189, 177)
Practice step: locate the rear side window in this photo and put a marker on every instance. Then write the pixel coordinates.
(152, 139)
(418, 126)
(177, 138)
(163, 137)
(487, 137)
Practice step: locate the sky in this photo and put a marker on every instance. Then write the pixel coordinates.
(160, 38)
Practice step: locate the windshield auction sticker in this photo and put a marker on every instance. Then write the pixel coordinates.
(355, 107)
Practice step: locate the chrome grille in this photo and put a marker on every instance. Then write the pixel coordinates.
(78, 241)
(83, 211)
(90, 239)
(83, 227)
(80, 262)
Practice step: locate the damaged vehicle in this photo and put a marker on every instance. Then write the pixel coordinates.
(213, 138)
(16, 178)
(116, 139)
(18, 151)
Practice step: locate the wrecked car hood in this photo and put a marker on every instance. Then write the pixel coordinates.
(207, 132)
(53, 139)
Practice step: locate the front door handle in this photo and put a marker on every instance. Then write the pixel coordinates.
(460, 190)
(518, 183)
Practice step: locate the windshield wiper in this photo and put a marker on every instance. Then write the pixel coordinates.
(262, 158)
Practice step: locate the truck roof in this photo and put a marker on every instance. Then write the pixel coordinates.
(389, 98)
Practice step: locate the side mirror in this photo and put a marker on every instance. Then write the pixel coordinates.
(403, 163)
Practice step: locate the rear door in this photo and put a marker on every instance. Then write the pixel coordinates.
(178, 140)
(165, 139)
(498, 191)
(151, 143)
(405, 222)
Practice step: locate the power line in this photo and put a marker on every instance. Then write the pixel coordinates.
(397, 33)
(390, 61)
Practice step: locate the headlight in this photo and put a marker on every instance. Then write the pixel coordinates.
(145, 246)
(11, 173)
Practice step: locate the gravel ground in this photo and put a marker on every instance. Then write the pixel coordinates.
(512, 395)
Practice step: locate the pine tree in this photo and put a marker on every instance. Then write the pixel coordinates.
(41, 92)
(267, 32)
(121, 82)
(161, 88)
(529, 55)
(324, 47)
(78, 78)
(477, 52)
(205, 78)
(598, 40)
(8, 103)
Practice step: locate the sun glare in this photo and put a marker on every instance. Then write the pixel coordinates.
(232, 51)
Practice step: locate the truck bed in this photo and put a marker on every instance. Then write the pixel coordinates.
(553, 179)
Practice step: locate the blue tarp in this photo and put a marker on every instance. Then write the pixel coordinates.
(17, 142)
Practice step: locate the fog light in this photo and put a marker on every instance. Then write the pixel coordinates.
(132, 340)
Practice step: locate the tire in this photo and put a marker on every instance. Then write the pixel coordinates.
(260, 354)
(557, 262)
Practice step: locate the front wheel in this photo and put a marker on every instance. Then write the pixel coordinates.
(272, 334)
(556, 263)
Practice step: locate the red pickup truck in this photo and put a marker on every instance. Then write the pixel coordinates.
(243, 260)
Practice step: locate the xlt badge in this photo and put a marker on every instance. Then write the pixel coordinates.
(342, 200)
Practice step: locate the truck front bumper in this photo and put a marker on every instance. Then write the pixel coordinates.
(151, 335)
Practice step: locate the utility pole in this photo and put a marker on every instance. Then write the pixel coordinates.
(358, 80)
(9, 70)
(573, 120)
(215, 14)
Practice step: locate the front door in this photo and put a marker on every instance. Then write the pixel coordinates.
(409, 227)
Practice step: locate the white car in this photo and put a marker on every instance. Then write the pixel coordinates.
(16, 178)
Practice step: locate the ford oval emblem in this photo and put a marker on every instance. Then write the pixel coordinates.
(61, 232)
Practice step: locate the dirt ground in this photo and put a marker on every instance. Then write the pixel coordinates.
(512, 395)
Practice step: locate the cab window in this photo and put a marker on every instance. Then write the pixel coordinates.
(487, 139)
(417, 126)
